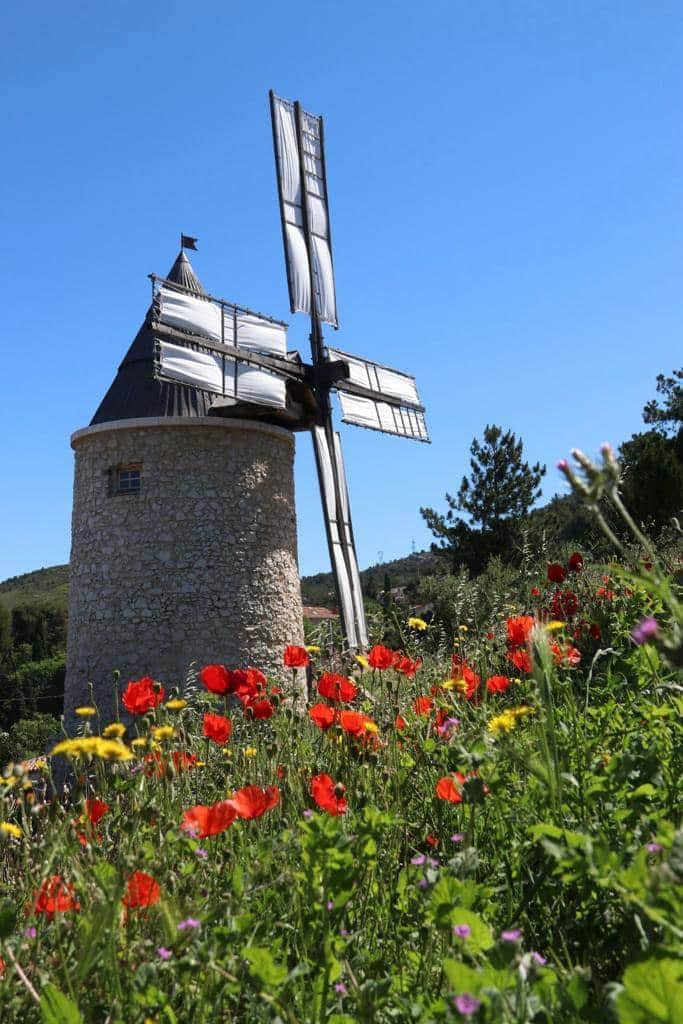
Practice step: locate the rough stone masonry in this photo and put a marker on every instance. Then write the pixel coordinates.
(197, 566)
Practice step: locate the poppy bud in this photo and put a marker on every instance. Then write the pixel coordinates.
(339, 790)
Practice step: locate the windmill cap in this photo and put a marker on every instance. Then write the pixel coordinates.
(182, 273)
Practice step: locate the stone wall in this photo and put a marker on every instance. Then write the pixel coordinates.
(199, 566)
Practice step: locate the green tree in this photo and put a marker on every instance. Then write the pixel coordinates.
(499, 492)
(667, 417)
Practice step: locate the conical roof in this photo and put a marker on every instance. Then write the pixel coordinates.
(182, 273)
(135, 392)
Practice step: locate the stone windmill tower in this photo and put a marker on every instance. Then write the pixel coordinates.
(184, 531)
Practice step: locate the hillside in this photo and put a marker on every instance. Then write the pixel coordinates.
(42, 587)
(50, 586)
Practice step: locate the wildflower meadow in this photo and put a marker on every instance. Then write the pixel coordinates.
(479, 830)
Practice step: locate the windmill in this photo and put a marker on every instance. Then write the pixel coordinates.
(240, 357)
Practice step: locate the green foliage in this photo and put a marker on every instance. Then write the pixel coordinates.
(652, 482)
(668, 417)
(653, 992)
(46, 587)
(496, 496)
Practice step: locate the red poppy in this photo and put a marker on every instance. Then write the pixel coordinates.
(564, 604)
(405, 665)
(329, 794)
(141, 695)
(281, 771)
(355, 723)
(216, 678)
(595, 631)
(431, 840)
(400, 723)
(423, 705)
(556, 573)
(602, 592)
(252, 801)
(217, 728)
(575, 562)
(141, 890)
(202, 821)
(336, 688)
(490, 635)
(520, 659)
(295, 657)
(450, 788)
(158, 765)
(535, 592)
(258, 708)
(519, 629)
(95, 810)
(460, 670)
(497, 684)
(380, 657)
(322, 715)
(55, 896)
(565, 654)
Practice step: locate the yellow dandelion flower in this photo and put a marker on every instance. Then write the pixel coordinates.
(10, 781)
(250, 751)
(163, 732)
(448, 684)
(502, 723)
(139, 742)
(371, 727)
(522, 711)
(312, 649)
(176, 704)
(9, 829)
(87, 711)
(416, 623)
(464, 629)
(460, 685)
(156, 747)
(115, 731)
(95, 746)
(552, 627)
(362, 660)
(227, 751)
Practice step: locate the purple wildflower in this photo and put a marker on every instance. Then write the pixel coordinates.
(463, 931)
(201, 852)
(511, 935)
(467, 1004)
(307, 814)
(30, 933)
(341, 988)
(423, 883)
(433, 862)
(457, 837)
(344, 933)
(539, 959)
(654, 847)
(164, 953)
(330, 904)
(189, 922)
(448, 726)
(418, 860)
(645, 630)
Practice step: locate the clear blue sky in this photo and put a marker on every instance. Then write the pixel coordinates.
(505, 188)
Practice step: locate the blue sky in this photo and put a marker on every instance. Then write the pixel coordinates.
(505, 190)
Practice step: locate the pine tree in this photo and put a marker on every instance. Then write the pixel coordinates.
(499, 492)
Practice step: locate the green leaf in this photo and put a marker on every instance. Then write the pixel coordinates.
(8, 919)
(263, 968)
(653, 992)
(55, 1008)
(461, 977)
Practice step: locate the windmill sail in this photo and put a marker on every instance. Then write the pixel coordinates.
(378, 398)
(304, 212)
(212, 346)
(336, 537)
(350, 548)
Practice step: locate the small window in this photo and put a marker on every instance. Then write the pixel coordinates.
(128, 479)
